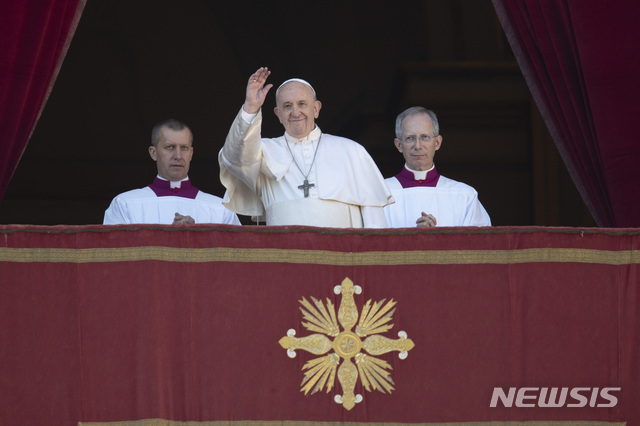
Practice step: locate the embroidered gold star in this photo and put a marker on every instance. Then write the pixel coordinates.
(347, 344)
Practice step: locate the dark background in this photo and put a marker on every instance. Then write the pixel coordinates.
(132, 64)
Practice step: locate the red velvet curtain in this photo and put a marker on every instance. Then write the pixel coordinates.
(581, 61)
(34, 37)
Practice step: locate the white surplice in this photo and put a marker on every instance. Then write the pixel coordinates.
(142, 205)
(452, 203)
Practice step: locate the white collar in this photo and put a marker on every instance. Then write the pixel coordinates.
(174, 183)
(420, 174)
(315, 134)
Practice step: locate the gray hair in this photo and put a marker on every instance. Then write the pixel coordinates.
(171, 124)
(416, 111)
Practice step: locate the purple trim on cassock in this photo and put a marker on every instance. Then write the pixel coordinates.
(407, 179)
(162, 188)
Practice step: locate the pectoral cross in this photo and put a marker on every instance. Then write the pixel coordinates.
(305, 187)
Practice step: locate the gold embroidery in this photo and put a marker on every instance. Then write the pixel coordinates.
(321, 372)
(320, 257)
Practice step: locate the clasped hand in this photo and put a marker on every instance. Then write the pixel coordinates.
(183, 220)
(426, 220)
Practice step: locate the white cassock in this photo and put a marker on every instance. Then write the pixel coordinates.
(144, 205)
(452, 203)
(263, 179)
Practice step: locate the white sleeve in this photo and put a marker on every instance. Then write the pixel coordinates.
(373, 217)
(242, 152)
(115, 214)
(230, 218)
(476, 214)
(240, 162)
(479, 216)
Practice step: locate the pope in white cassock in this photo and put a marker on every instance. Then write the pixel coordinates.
(305, 177)
(424, 197)
(170, 199)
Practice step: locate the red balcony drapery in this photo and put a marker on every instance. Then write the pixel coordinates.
(105, 324)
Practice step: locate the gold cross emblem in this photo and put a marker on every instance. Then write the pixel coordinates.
(347, 344)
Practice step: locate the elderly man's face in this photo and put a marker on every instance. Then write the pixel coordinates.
(173, 153)
(297, 109)
(418, 144)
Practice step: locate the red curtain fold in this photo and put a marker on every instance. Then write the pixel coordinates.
(581, 62)
(34, 38)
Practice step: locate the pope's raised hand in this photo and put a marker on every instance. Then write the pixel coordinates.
(257, 90)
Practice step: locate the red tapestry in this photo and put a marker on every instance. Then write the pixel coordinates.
(112, 324)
